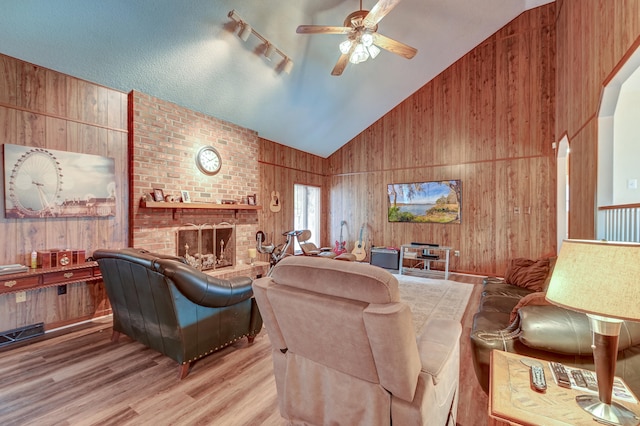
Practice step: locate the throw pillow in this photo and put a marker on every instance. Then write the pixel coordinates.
(533, 299)
(527, 273)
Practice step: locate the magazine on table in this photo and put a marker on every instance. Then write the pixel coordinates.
(12, 269)
(621, 391)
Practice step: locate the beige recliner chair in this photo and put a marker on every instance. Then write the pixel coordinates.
(345, 350)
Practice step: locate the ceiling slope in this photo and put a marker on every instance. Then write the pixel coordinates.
(187, 53)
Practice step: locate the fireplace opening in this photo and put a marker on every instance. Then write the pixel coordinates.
(207, 246)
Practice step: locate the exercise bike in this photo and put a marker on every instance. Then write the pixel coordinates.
(276, 252)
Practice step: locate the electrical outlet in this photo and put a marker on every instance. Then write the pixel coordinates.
(456, 253)
(21, 296)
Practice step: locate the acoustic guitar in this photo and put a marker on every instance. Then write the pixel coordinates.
(359, 251)
(340, 244)
(274, 205)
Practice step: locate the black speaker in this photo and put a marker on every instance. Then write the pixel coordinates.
(384, 257)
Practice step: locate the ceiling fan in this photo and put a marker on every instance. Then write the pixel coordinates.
(363, 40)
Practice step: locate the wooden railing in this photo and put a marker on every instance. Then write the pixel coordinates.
(621, 222)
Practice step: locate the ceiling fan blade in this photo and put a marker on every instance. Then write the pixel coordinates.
(343, 60)
(322, 29)
(394, 46)
(379, 11)
(340, 65)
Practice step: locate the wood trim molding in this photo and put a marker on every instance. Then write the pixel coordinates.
(61, 117)
(620, 206)
(632, 49)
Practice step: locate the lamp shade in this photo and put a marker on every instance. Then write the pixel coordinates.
(597, 277)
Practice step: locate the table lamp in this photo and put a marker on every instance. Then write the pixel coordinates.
(601, 279)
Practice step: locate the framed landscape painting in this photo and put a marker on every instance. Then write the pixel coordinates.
(425, 202)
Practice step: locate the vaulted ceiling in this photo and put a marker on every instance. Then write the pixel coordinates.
(188, 52)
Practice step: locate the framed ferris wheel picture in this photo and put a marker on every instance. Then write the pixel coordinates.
(40, 182)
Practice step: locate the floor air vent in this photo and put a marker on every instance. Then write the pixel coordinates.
(22, 333)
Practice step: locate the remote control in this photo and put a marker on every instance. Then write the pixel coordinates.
(562, 377)
(538, 382)
(592, 384)
(579, 378)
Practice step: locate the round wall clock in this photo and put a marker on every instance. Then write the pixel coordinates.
(208, 160)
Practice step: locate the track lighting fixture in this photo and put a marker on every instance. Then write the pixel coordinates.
(246, 30)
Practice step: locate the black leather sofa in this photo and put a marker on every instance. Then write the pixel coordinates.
(174, 308)
(543, 331)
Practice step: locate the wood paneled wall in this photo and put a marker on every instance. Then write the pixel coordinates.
(487, 120)
(593, 36)
(43, 108)
(280, 168)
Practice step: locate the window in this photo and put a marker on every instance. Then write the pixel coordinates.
(306, 207)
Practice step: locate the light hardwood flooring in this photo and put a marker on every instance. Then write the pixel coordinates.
(81, 378)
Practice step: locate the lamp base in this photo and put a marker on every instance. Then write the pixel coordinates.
(609, 414)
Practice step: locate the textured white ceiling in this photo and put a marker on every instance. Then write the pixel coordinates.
(185, 52)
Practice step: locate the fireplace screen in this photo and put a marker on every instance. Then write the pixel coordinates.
(207, 246)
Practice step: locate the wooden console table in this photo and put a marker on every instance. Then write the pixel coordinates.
(48, 277)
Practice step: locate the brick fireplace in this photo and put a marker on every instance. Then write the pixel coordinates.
(163, 140)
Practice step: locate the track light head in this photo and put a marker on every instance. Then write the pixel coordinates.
(268, 51)
(288, 65)
(245, 32)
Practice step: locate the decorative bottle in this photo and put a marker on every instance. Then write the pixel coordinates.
(34, 259)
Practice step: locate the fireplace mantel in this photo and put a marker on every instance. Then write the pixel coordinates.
(207, 206)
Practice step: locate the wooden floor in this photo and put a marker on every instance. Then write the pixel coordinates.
(81, 378)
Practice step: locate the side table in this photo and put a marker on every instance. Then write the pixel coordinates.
(513, 402)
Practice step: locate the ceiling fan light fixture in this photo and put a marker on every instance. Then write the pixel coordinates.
(373, 51)
(366, 39)
(359, 54)
(345, 46)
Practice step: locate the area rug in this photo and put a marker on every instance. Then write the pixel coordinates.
(433, 298)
